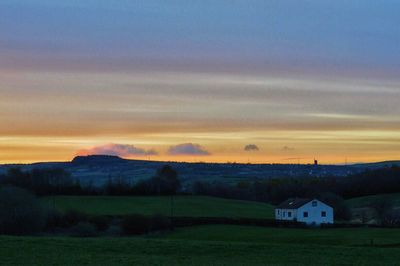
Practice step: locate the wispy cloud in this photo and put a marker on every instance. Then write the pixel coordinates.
(208, 83)
(122, 150)
(287, 148)
(251, 147)
(187, 149)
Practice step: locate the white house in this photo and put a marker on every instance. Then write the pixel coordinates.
(309, 211)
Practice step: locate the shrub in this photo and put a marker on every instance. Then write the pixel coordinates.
(392, 218)
(20, 212)
(136, 224)
(382, 206)
(113, 230)
(101, 222)
(160, 222)
(73, 217)
(55, 218)
(84, 229)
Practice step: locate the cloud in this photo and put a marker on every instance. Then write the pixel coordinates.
(122, 150)
(286, 148)
(187, 149)
(251, 147)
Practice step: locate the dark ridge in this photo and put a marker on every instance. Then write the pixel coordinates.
(383, 164)
(97, 159)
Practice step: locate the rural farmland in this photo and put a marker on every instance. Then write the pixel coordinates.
(191, 133)
(190, 206)
(222, 245)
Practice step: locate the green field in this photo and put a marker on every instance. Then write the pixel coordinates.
(367, 201)
(337, 237)
(203, 245)
(212, 245)
(195, 206)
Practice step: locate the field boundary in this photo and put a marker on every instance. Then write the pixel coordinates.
(193, 221)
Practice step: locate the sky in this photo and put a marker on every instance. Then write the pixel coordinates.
(278, 81)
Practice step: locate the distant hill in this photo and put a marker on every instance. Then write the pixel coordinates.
(97, 169)
(377, 165)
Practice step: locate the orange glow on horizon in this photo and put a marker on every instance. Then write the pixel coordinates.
(285, 117)
(279, 147)
(177, 81)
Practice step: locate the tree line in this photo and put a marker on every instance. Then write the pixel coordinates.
(54, 181)
(57, 181)
(276, 190)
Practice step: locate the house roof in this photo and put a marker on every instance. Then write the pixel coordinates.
(293, 203)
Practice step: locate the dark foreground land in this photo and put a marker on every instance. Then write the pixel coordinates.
(212, 245)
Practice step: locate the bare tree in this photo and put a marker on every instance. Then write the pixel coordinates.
(382, 207)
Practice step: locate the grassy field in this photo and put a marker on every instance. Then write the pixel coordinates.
(367, 201)
(196, 206)
(337, 237)
(203, 245)
(212, 245)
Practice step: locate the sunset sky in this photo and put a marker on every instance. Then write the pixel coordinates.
(279, 81)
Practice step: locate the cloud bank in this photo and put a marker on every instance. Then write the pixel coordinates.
(251, 147)
(121, 150)
(187, 149)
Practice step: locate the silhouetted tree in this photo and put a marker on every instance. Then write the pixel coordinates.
(382, 207)
(166, 181)
(20, 212)
(339, 205)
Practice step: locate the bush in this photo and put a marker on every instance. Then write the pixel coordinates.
(55, 218)
(160, 223)
(382, 206)
(113, 230)
(20, 212)
(73, 217)
(392, 218)
(101, 222)
(136, 224)
(84, 229)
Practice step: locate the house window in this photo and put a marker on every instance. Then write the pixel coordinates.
(289, 214)
(279, 212)
(283, 214)
(314, 203)
(323, 214)
(305, 214)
